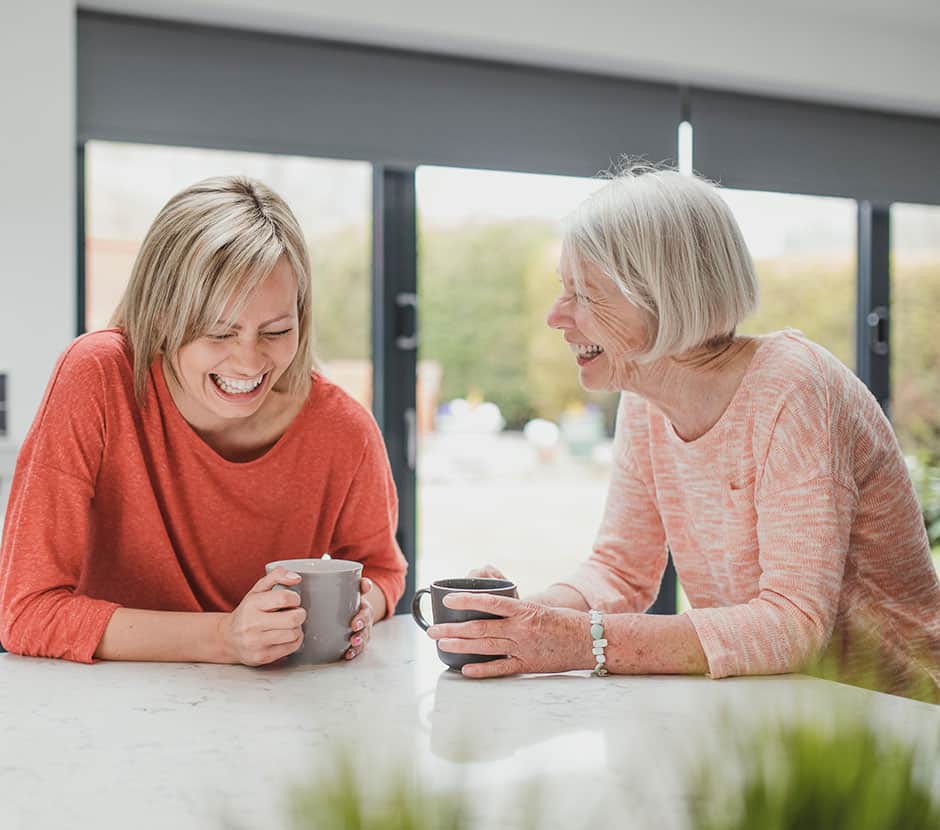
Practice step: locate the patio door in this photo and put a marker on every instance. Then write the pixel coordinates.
(514, 457)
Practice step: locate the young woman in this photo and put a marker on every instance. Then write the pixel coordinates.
(176, 453)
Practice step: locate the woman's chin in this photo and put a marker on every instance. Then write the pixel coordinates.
(592, 381)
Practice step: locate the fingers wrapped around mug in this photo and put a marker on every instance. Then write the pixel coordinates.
(361, 623)
(518, 637)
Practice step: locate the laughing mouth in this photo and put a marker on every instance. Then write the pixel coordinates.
(237, 386)
(587, 352)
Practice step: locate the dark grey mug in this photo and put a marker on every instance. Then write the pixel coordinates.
(443, 614)
(329, 592)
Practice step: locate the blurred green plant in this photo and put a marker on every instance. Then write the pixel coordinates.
(806, 774)
(815, 770)
(926, 478)
(348, 799)
(342, 801)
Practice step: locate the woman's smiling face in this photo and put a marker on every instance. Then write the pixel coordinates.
(228, 373)
(605, 331)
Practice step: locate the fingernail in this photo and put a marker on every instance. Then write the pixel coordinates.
(357, 626)
(356, 641)
(352, 653)
(292, 575)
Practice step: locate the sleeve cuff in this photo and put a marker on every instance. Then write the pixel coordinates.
(391, 600)
(96, 622)
(720, 662)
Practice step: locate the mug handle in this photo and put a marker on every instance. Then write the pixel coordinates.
(416, 609)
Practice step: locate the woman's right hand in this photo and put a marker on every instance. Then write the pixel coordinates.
(261, 629)
(487, 572)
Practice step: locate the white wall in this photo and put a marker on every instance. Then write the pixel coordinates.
(37, 203)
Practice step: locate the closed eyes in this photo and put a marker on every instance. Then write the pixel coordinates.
(229, 335)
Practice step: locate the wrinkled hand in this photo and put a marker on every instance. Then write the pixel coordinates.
(487, 572)
(362, 623)
(266, 625)
(534, 638)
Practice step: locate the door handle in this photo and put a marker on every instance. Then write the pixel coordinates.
(404, 301)
(877, 320)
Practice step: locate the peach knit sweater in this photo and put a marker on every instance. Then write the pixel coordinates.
(792, 523)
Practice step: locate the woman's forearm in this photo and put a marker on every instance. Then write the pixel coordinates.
(653, 644)
(637, 643)
(164, 636)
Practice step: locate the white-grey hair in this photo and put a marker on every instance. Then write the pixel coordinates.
(672, 246)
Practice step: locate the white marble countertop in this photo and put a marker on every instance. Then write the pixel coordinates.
(180, 745)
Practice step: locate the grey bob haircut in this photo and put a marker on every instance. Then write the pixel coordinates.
(673, 248)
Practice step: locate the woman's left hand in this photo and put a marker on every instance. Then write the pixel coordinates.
(361, 624)
(534, 638)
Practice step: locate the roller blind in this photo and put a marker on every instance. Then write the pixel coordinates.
(170, 83)
(761, 143)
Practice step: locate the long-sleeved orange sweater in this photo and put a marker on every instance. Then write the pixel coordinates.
(793, 525)
(113, 504)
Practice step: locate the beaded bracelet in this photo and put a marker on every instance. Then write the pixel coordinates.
(597, 638)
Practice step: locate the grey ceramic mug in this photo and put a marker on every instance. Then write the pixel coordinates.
(443, 614)
(329, 592)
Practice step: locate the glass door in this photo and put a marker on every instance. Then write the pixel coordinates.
(915, 352)
(514, 457)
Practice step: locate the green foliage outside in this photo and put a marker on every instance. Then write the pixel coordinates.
(485, 291)
(813, 294)
(915, 335)
(342, 293)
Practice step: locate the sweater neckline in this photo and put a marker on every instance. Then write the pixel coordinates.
(715, 431)
(167, 404)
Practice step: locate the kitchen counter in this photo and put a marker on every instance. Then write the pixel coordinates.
(180, 745)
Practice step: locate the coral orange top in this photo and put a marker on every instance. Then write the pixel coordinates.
(792, 523)
(113, 504)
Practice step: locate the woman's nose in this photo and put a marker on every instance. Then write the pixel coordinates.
(247, 357)
(558, 317)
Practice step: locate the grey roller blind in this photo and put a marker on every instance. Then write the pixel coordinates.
(760, 143)
(159, 82)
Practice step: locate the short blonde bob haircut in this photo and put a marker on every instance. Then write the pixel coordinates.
(213, 243)
(673, 248)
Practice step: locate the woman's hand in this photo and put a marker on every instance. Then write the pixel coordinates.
(266, 625)
(362, 623)
(534, 638)
(487, 572)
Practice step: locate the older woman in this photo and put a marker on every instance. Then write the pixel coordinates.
(179, 451)
(762, 463)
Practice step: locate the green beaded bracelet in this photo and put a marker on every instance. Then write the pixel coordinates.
(598, 643)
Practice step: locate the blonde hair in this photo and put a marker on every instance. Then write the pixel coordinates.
(211, 244)
(673, 248)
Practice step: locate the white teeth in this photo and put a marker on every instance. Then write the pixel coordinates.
(235, 386)
(588, 351)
